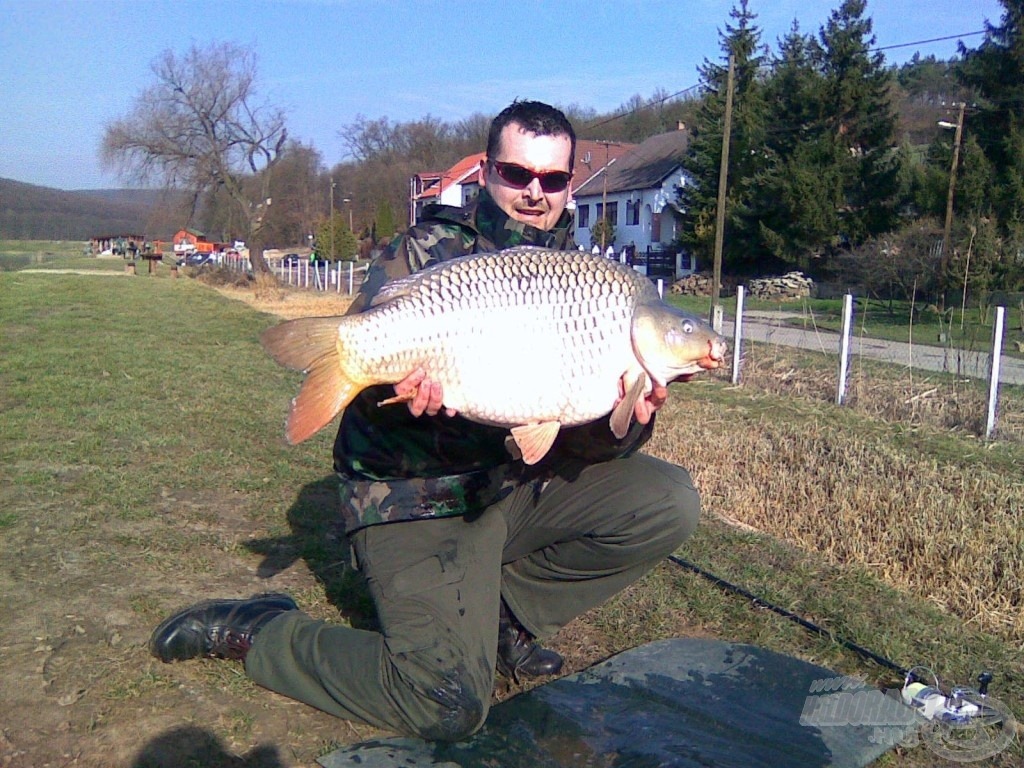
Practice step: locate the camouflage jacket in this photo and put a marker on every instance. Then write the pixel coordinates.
(394, 466)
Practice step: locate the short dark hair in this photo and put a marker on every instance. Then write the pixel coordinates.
(537, 118)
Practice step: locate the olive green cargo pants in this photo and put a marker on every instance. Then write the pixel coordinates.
(437, 583)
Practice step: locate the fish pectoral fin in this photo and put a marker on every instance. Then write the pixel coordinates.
(298, 344)
(533, 441)
(324, 394)
(622, 415)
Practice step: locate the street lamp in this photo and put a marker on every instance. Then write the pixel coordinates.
(349, 201)
(333, 185)
(959, 126)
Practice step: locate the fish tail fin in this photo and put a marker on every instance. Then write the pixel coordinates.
(311, 345)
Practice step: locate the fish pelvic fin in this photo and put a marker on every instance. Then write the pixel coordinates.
(622, 415)
(324, 394)
(533, 441)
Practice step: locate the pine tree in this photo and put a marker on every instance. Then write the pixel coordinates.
(698, 199)
(995, 71)
(798, 192)
(861, 121)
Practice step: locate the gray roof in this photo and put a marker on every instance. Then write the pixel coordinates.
(644, 167)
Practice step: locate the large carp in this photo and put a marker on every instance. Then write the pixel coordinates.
(526, 338)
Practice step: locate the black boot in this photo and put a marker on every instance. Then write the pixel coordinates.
(221, 629)
(518, 654)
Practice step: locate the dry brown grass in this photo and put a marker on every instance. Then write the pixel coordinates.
(952, 534)
(891, 393)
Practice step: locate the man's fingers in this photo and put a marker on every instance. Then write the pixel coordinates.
(434, 395)
(410, 382)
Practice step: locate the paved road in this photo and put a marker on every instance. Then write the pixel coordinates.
(964, 363)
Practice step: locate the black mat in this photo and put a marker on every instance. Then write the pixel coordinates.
(679, 702)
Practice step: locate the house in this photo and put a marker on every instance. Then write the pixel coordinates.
(457, 186)
(461, 183)
(187, 241)
(638, 190)
(118, 245)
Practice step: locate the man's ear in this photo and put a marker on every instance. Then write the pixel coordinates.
(484, 171)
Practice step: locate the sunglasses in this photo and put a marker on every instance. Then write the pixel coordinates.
(519, 177)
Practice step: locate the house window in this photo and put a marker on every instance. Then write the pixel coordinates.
(598, 212)
(583, 216)
(632, 212)
(613, 213)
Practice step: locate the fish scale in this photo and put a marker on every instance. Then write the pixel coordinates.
(527, 338)
(489, 316)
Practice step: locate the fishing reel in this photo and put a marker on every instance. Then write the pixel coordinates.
(964, 725)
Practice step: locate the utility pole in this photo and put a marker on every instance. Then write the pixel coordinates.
(944, 261)
(604, 193)
(723, 177)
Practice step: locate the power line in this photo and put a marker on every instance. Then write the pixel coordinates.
(702, 84)
(922, 42)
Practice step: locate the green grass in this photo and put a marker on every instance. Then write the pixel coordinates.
(18, 254)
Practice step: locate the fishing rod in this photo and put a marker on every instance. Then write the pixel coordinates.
(760, 602)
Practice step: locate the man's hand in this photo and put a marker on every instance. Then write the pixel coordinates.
(646, 406)
(424, 395)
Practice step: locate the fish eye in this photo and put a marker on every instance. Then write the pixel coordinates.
(687, 326)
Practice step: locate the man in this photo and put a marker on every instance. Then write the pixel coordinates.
(469, 556)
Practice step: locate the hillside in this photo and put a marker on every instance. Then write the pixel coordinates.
(31, 212)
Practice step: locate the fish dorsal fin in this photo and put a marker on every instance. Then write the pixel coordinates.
(298, 344)
(324, 394)
(623, 413)
(535, 440)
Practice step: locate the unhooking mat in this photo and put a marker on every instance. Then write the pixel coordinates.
(679, 702)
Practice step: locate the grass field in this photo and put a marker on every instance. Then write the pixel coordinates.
(144, 468)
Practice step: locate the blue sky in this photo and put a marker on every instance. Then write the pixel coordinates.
(72, 66)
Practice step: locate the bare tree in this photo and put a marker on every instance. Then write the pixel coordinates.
(199, 127)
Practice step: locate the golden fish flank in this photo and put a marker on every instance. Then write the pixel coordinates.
(527, 338)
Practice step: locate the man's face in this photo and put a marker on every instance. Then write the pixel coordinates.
(529, 204)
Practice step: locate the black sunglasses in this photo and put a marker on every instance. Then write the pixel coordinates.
(519, 177)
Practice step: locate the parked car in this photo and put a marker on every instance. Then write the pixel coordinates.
(195, 260)
(291, 260)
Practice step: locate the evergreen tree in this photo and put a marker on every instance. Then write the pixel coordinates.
(796, 194)
(861, 122)
(337, 245)
(384, 225)
(698, 199)
(995, 71)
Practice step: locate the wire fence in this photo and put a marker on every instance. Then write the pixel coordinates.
(971, 385)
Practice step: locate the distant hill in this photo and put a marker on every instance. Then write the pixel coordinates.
(30, 212)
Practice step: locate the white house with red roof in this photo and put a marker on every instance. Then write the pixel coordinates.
(638, 193)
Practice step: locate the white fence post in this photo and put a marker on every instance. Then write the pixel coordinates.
(844, 347)
(993, 383)
(737, 335)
